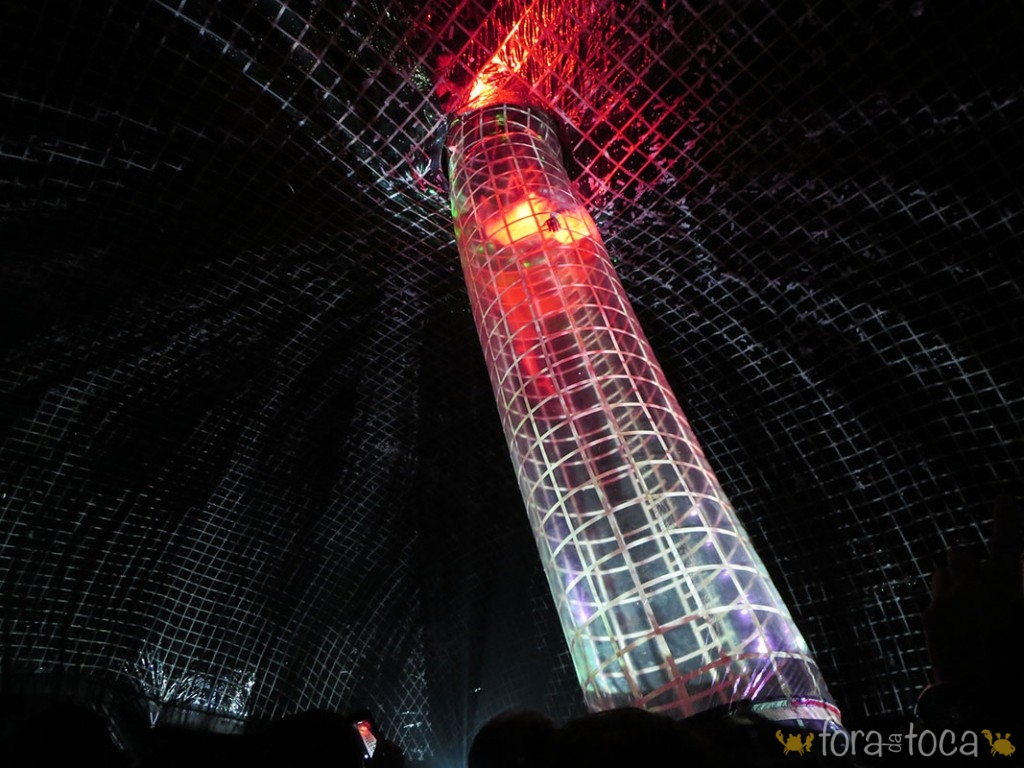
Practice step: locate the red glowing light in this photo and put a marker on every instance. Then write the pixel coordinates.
(485, 86)
(533, 298)
(535, 49)
(537, 216)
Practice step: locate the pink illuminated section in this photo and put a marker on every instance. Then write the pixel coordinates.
(662, 599)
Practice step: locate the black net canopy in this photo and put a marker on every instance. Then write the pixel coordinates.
(250, 460)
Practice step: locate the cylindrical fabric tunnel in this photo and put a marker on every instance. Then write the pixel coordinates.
(664, 602)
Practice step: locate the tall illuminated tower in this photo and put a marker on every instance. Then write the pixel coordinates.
(663, 601)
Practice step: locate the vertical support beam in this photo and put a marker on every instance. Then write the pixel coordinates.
(664, 603)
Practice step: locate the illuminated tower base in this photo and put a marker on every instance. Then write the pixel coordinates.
(663, 601)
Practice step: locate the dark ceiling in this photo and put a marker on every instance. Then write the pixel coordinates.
(250, 459)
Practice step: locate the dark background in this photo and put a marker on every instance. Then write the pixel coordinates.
(249, 457)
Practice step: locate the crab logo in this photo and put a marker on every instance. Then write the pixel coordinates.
(1002, 745)
(794, 743)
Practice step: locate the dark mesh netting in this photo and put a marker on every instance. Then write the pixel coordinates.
(251, 462)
